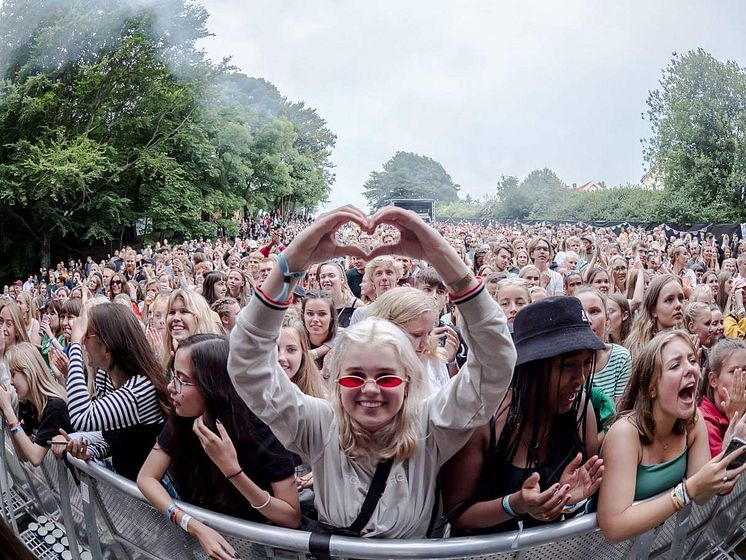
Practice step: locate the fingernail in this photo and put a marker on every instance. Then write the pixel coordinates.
(236, 555)
(218, 422)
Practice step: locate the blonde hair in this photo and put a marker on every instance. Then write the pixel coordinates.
(398, 440)
(25, 358)
(378, 262)
(197, 306)
(513, 282)
(308, 377)
(344, 286)
(33, 308)
(694, 311)
(15, 315)
(404, 304)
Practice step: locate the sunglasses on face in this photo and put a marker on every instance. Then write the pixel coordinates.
(384, 382)
(117, 282)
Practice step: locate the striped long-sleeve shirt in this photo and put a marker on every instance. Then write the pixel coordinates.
(134, 403)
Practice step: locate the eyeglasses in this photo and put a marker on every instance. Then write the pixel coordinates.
(179, 384)
(119, 282)
(620, 269)
(384, 382)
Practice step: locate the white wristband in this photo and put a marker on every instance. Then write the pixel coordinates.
(184, 523)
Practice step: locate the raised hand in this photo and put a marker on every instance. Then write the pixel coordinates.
(317, 243)
(419, 241)
(451, 340)
(59, 362)
(79, 326)
(734, 400)
(219, 448)
(583, 480)
(544, 506)
(716, 476)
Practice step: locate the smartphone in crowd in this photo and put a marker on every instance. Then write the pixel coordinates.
(736, 444)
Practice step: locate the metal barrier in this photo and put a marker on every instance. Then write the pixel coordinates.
(117, 522)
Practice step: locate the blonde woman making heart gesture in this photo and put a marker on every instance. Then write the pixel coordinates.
(376, 411)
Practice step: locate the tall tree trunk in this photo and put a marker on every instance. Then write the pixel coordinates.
(46, 250)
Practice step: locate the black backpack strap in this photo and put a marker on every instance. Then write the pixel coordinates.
(377, 486)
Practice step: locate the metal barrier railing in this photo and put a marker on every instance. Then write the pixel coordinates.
(119, 523)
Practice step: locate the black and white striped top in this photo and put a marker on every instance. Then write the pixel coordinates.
(134, 403)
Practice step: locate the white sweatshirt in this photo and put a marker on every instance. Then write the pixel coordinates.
(308, 426)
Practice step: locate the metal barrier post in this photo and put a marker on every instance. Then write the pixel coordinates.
(644, 543)
(91, 526)
(66, 508)
(679, 533)
(7, 500)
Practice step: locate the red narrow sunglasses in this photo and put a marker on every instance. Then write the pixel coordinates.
(384, 382)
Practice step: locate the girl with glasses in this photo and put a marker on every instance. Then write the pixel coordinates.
(376, 415)
(218, 455)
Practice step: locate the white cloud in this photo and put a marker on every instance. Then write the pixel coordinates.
(486, 88)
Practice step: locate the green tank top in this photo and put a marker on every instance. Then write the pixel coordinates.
(654, 479)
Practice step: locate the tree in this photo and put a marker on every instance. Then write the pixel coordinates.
(108, 121)
(467, 208)
(532, 197)
(408, 175)
(698, 119)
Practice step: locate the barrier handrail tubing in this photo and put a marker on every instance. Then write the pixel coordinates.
(298, 541)
(347, 546)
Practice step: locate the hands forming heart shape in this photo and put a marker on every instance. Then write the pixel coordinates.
(318, 242)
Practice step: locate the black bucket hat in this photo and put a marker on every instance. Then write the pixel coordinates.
(552, 326)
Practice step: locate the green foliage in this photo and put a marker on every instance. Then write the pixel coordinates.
(543, 196)
(109, 114)
(622, 203)
(408, 175)
(698, 118)
(530, 198)
(459, 209)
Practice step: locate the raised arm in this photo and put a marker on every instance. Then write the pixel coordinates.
(297, 420)
(114, 411)
(471, 396)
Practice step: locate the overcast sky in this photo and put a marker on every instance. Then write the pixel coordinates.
(486, 88)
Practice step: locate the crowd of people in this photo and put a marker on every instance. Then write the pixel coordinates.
(384, 377)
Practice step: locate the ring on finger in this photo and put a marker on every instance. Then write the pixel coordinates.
(725, 479)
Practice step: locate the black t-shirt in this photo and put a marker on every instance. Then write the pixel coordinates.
(264, 463)
(354, 280)
(54, 417)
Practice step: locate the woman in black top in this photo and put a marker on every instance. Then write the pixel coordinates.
(536, 459)
(43, 404)
(252, 479)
